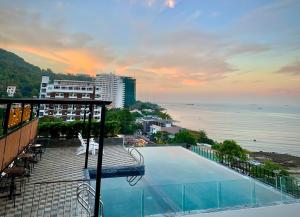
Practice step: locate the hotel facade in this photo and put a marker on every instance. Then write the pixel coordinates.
(106, 86)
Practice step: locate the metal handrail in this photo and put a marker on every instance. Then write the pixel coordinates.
(133, 180)
(140, 158)
(89, 189)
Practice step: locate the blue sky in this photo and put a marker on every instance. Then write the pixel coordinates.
(185, 50)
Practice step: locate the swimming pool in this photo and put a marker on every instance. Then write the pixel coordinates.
(176, 180)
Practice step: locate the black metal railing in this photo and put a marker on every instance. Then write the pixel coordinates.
(287, 184)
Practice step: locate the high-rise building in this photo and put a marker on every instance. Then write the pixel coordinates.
(129, 91)
(111, 88)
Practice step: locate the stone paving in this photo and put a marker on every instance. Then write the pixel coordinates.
(51, 189)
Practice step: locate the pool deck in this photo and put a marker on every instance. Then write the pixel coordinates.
(58, 165)
(57, 197)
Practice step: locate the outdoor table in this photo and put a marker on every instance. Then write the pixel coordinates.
(36, 148)
(27, 157)
(14, 172)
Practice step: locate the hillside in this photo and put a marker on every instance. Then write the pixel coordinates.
(15, 71)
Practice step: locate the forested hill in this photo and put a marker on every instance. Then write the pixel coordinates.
(15, 71)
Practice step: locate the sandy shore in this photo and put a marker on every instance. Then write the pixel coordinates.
(291, 163)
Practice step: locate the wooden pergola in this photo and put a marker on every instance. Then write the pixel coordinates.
(85, 102)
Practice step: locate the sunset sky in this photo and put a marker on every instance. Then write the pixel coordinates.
(178, 50)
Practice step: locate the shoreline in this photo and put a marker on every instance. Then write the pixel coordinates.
(288, 161)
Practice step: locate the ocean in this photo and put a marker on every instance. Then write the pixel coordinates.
(275, 128)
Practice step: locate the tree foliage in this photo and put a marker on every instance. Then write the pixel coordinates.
(184, 136)
(203, 138)
(274, 167)
(162, 137)
(15, 71)
(146, 105)
(124, 118)
(231, 149)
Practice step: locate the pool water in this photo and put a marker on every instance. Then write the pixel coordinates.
(177, 180)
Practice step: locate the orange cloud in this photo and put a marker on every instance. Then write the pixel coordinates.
(72, 60)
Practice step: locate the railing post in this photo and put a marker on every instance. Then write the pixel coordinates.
(88, 139)
(142, 203)
(183, 197)
(280, 182)
(99, 162)
(218, 194)
(253, 193)
(38, 111)
(22, 113)
(7, 111)
(31, 111)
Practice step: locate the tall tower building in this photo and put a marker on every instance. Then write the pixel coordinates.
(110, 88)
(129, 91)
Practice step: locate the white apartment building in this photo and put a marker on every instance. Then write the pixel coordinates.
(106, 87)
(67, 89)
(110, 87)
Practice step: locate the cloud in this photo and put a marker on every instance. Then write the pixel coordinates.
(292, 69)
(25, 31)
(186, 58)
(170, 3)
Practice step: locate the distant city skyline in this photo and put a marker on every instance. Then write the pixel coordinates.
(178, 50)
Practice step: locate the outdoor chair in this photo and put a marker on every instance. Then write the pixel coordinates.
(93, 146)
(4, 185)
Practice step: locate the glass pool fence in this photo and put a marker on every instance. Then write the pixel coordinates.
(286, 184)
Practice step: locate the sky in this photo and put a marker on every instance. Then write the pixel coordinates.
(187, 51)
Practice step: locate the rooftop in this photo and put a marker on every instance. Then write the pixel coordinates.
(60, 170)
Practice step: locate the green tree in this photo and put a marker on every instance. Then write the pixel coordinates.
(163, 115)
(184, 136)
(202, 138)
(231, 149)
(161, 137)
(125, 119)
(272, 166)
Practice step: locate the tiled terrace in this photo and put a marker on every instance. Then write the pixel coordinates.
(47, 191)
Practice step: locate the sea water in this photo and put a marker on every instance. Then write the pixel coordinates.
(254, 127)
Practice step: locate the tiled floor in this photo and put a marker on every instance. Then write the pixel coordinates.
(58, 196)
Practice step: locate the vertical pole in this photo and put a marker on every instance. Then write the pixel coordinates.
(99, 163)
(142, 203)
(253, 193)
(183, 197)
(280, 182)
(88, 139)
(84, 116)
(22, 113)
(218, 193)
(38, 110)
(5, 127)
(31, 111)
